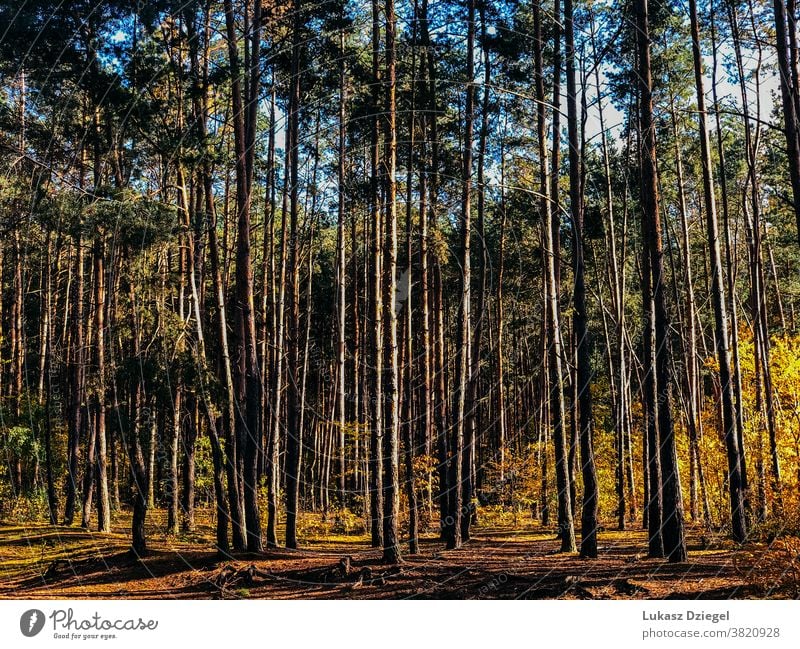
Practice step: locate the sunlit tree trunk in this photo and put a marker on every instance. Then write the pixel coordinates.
(294, 433)
(734, 452)
(391, 470)
(462, 416)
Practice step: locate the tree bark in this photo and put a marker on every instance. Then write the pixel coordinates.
(580, 317)
(565, 518)
(734, 452)
(247, 377)
(293, 433)
(376, 423)
(76, 384)
(391, 489)
(672, 532)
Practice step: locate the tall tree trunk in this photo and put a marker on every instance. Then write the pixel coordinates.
(426, 388)
(690, 331)
(501, 420)
(405, 291)
(391, 488)
(341, 273)
(173, 503)
(731, 286)
(752, 212)
(137, 413)
(672, 524)
(464, 407)
(426, 206)
(474, 421)
(273, 447)
(103, 504)
(217, 456)
(76, 384)
(293, 434)
(734, 452)
(617, 281)
(50, 371)
(580, 318)
(376, 423)
(247, 378)
(565, 519)
(229, 417)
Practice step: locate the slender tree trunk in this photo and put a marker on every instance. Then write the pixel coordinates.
(463, 418)
(404, 290)
(689, 340)
(247, 379)
(752, 211)
(391, 489)
(103, 504)
(50, 371)
(672, 524)
(89, 475)
(734, 452)
(565, 519)
(580, 318)
(293, 441)
(501, 418)
(76, 385)
(376, 424)
(136, 460)
(731, 285)
(617, 272)
(218, 461)
(341, 272)
(426, 388)
(273, 450)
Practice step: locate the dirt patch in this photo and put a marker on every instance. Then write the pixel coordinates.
(42, 561)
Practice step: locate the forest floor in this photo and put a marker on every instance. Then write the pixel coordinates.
(501, 561)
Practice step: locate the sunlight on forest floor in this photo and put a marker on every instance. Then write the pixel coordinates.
(501, 561)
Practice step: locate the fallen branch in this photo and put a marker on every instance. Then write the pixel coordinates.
(230, 576)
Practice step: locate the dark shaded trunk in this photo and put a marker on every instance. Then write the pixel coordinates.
(580, 317)
(103, 503)
(462, 416)
(672, 524)
(75, 415)
(246, 375)
(50, 374)
(376, 423)
(566, 528)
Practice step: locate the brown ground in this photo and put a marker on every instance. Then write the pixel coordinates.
(41, 561)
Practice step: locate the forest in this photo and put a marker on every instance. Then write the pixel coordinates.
(400, 298)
